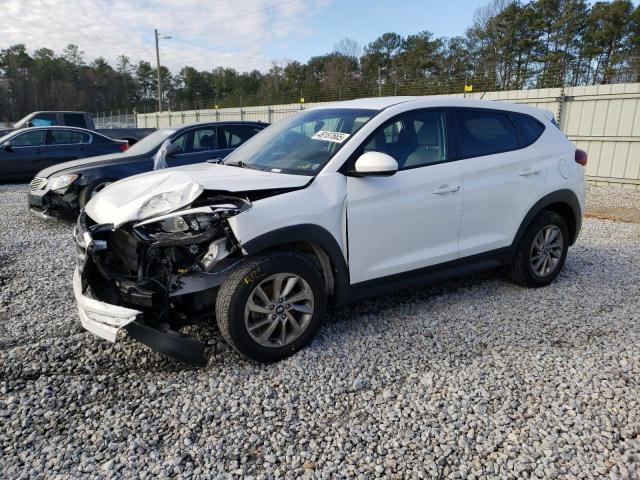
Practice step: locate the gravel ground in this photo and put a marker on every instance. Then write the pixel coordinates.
(464, 379)
(613, 204)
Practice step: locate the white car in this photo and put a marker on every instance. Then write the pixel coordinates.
(326, 207)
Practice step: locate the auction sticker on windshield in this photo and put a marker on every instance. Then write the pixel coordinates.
(337, 137)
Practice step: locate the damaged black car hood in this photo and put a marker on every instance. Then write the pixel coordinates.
(122, 201)
(75, 165)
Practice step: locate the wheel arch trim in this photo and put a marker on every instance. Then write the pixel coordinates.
(561, 200)
(312, 234)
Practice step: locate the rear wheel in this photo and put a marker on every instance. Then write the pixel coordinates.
(90, 191)
(272, 306)
(541, 252)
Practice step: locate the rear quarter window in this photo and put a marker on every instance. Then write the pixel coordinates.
(75, 120)
(484, 132)
(528, 127)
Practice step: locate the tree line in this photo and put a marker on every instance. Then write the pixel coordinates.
(510, 45)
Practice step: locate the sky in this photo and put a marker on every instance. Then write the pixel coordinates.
(210, 33)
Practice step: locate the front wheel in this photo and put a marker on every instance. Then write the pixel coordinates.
(541, 252)
(272, 306)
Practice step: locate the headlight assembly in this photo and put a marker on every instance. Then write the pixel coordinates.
(61, 182)
(174, 225)
(169, 201)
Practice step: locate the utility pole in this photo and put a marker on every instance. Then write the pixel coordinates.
(158, 71)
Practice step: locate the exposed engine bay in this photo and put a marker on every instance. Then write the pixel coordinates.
(168, 266)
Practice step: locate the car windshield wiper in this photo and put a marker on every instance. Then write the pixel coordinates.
(238, 163)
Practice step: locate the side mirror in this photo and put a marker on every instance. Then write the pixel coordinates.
(376, 164)
(172, 150)
(8, 146)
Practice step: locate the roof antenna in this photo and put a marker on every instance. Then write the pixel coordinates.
(483, 94)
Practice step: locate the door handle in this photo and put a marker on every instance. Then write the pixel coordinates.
(446, 189)
(529, 171)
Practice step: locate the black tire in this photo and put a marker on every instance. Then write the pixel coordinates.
(234, 294)
(521, 270)
(87, 192)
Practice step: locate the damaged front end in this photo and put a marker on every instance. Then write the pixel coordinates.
(153, 277)
(49, 198)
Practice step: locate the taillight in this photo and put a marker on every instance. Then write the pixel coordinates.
(581, 157)
(124, 146)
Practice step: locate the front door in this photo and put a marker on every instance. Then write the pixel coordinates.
(409, 220)
(196, 145)
(232, 135)
(24, 157)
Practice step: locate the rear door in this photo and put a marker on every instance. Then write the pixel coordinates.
(64, 145)
(501, 178)
(25, 156)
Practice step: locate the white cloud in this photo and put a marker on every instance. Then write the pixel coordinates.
(202, 37)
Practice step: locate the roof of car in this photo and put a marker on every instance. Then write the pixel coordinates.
(58, 127)
(221, 122)
(380, 103)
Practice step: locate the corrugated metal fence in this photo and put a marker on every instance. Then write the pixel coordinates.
(601, 119)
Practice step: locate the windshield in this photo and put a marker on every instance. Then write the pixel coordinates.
(20, 123)
(150, 142)
(303, 143)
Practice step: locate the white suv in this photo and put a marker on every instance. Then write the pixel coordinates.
(326, 207)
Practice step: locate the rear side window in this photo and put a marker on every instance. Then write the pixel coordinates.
(484, 132)
(75, 120)
(529, 128)
(67, 137)
(236, 135)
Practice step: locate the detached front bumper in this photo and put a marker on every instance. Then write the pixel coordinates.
(105, 320)
(102, 319)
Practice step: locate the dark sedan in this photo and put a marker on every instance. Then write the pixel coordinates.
(25, 152)
(62, 189)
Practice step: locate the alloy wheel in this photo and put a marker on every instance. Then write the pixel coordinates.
(546, 250)
(279, 310)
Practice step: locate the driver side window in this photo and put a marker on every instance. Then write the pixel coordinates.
(29, 139)
(196, 140)
(414, 139)
(44, 120)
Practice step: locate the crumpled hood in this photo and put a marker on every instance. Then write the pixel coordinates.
(120, 202)
(72, 166)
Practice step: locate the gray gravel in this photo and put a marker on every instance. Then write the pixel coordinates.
(475, 378)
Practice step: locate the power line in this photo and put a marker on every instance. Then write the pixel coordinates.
(225, 20)
(231, 54)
